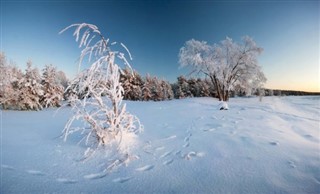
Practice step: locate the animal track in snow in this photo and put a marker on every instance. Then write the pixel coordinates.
(274, 143)
(177, 152)
(212, 129)
(187, 138)
(95, 176)
(291, 164)
(170, 137)
(145, 168)
(121, 180)
(186, 145)
(192, 154)
(189, 155)
(35, 172)
(159, 148)
(165, 154)
(66, 181)
(167, 162)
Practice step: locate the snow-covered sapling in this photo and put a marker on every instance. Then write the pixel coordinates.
(107, 122)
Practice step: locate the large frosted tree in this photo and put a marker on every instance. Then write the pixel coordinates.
(226, 64)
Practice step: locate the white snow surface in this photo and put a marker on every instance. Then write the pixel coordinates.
(188, 146)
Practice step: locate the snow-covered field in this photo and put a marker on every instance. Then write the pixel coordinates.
(188, 146)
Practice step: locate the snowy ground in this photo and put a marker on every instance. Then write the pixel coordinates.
(188, 146)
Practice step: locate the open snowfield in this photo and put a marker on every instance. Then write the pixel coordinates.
(188, 146)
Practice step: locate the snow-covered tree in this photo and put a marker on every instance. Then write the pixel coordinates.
(193, 87)
(62, 79)
(5, 80)
(156, 89)
(270, 92)
(106, 118)
(183, 88)
(132, 84)
(30, 89)
(203, 88)
(9, 77)
(146, 89)
(4, 73)
(166, 90)
(226, 64)
(53, 90)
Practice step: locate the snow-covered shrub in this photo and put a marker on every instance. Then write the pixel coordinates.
(30, 89)
(53, 90)
(107, 122)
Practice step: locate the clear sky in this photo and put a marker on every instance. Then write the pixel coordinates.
(154, 31)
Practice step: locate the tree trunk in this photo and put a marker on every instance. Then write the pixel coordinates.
(226, 95)
(217, 86)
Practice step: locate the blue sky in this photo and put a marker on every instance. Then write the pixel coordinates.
(154, 31)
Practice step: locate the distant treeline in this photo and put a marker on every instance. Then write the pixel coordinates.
(147, 88)
(31, 90)
(291, 93)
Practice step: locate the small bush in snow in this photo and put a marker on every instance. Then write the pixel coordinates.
(107, 123)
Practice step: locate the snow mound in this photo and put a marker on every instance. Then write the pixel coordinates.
(224, 106)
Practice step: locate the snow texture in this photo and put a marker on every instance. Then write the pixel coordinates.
(256, 147)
